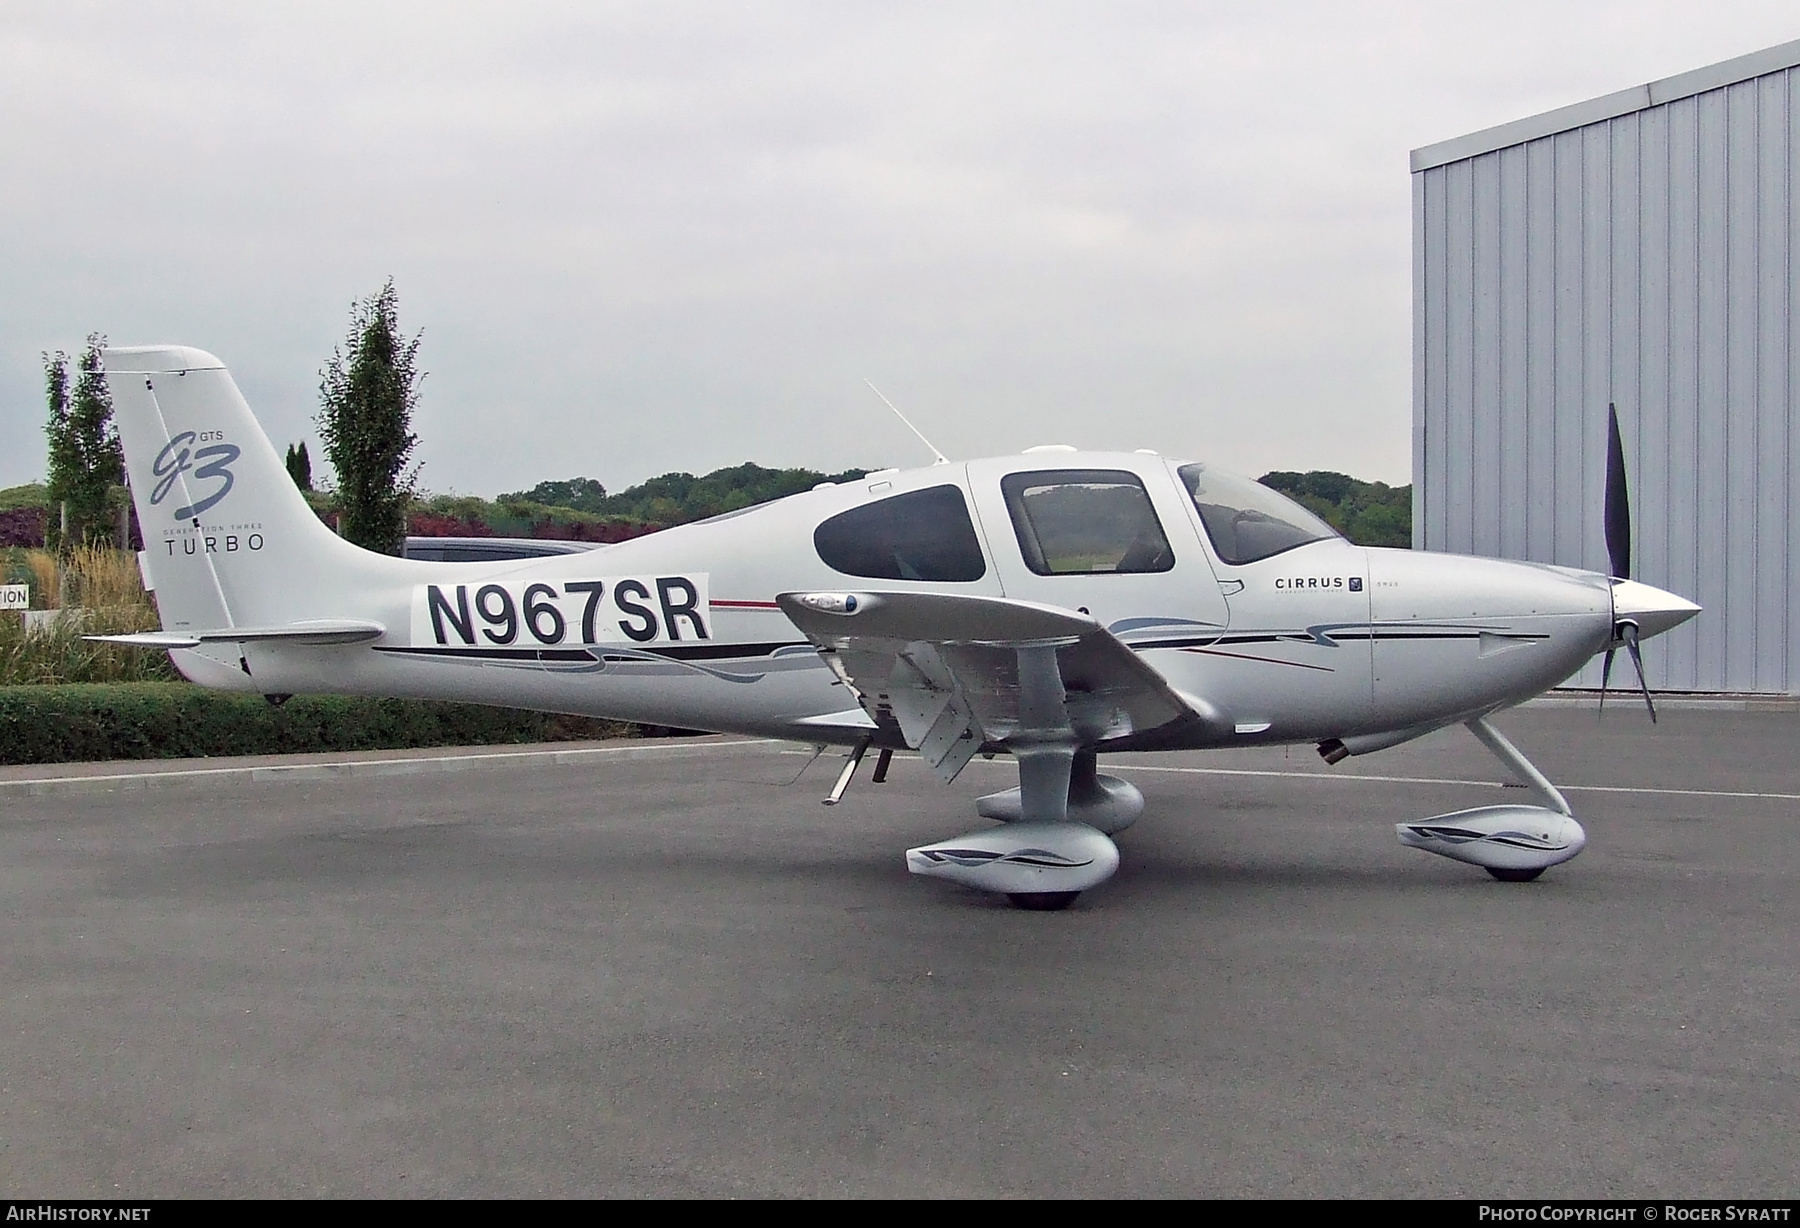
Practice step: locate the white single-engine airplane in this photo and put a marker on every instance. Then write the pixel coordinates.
(1051, 606)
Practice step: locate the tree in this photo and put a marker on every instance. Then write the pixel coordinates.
(367, 394)
(677, 498)
(299, 465)
(65, 459)
(582, 494)
(86, 461)
(1368, 513)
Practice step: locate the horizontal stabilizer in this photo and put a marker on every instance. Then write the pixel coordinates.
(148, 639)
(313, 632)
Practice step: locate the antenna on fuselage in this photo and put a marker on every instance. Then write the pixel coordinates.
(941, 458)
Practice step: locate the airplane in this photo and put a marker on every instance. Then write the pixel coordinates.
(1053, 606)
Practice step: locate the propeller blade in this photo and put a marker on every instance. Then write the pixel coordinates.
(1637, 659)
(1605, 675)
(1618, 500)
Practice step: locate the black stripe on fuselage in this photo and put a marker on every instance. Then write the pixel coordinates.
(708, 651)
(493, 654)
(1336, 633)
(1208, 641)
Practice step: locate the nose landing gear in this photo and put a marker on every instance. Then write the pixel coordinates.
(1515, 844)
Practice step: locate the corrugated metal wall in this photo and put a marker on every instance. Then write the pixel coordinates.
(1643, 260)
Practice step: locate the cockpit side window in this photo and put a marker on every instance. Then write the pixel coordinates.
(922, 535)
(1073, 522)
(1246, 520)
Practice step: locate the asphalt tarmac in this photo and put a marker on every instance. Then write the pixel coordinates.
(676, 974)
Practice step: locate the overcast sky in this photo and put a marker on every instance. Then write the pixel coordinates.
(644, 237)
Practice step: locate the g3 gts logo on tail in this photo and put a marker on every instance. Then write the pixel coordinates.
(177, 458)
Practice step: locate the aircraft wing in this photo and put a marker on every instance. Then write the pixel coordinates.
(955, 673)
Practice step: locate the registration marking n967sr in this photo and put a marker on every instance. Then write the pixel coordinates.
(607, 610)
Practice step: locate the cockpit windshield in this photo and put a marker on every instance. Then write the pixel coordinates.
(1246, 520)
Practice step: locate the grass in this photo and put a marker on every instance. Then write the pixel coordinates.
(101, 581)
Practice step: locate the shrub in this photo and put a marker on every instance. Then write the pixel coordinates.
(175, 720)
(22, 526)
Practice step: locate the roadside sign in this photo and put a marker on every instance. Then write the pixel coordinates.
(15, 596)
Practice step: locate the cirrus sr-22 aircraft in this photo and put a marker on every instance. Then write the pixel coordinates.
(1054, 606)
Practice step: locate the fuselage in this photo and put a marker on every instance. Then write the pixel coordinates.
(1307, 641)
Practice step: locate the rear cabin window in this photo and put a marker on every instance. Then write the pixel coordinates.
(1077, 522)
(923, 535)
(1246, 520)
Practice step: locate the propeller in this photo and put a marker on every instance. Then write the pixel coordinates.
(1627, 634)
(1618, 499)
(1617, 515)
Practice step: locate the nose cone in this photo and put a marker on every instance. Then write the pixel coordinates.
(1653, 610)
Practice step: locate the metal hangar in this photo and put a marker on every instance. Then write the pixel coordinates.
(1638, 249)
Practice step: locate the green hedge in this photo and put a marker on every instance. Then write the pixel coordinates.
(176, 720)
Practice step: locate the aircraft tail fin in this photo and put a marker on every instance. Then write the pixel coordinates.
(230, 541)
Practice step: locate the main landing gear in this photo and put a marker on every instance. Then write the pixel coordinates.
(1053, 842)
